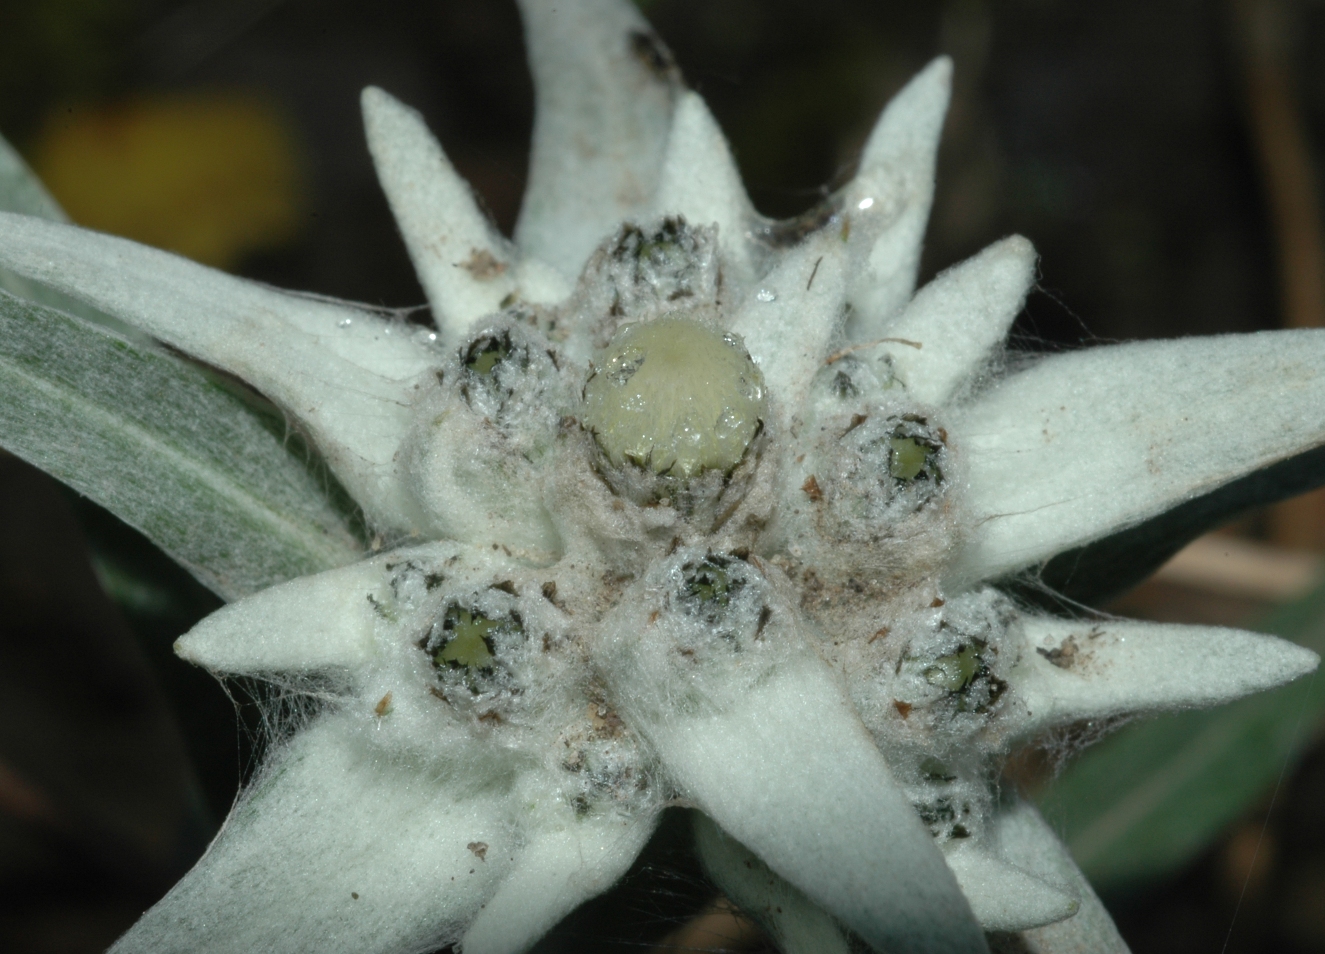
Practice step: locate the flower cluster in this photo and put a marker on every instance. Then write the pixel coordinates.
(681, 505)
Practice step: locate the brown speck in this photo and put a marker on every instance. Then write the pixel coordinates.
(1064, 656)
(605, 720)
(483, 265)
(938, 601)
(800, 458)
(480, 850)
(651, 52)
(903, 708)
(811, 488)
(354, 895)
(653, 617)
(493, 718)
(433, 690)
(856, 421)
(879, 633)
(506, 586)
(383, 705)
(814, 271)
(765, 614)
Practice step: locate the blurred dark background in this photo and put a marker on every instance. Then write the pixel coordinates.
(1163, 155)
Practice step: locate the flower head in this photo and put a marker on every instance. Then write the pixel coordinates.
(684, 506)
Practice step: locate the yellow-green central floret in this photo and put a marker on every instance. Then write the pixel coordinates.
(909, 457)
(675, 397)
(469, 647)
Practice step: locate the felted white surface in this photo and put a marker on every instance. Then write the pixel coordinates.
(445, 231)
(20, 189)
(1087, 443)
(1123, 667)
(601, 116)
(1026, 841)
(897, 176)
(960, 320)
(1005, 898)
(331, 819)
(554, 874)
(346, 373)
(797, 924)
(308, 624)
(366, 833)
(474, 487)
(797, 312)
(699, 180)
(791, 773)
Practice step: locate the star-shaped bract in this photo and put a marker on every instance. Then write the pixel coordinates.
(806, 648)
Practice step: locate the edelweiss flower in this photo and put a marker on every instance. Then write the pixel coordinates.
(686, 507)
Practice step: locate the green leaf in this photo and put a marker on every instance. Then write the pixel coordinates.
(1149, 799)
(169, 448)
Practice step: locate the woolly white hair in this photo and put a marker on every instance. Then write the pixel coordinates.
(749, 570)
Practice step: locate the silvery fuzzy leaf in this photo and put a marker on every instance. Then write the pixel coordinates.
(1167, 420)
(1113, 564)
(557, 871)
(462, 262)
(797, 924)
(1147, 800)
(1004, 897)
(316, 622)
(1027, 842)
(793, 775)
(789, 324)
(346, 849)
(955, 325)
(346, 373)
(766, 743)
(22, 192)
(889, 199)
(604, 88)
(167, 448)
(1078, 670)
(700, 181)
(465, 265)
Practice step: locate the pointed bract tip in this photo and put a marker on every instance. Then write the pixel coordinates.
(1014, 245)
(377, 106)
(913, 119)
(374, 102)
(186, 648)
(699, 178)
(1298, 661)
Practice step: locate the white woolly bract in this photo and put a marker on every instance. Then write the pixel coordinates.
(337, 840)
(797, 633)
